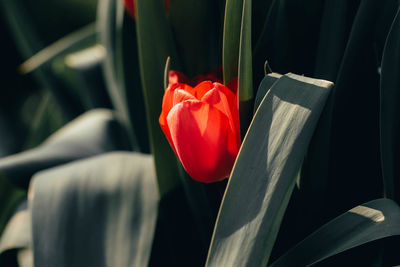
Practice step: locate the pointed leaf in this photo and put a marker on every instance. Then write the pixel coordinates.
(17, 235)
(266, 83)
(368, 222)
(93, 133)
(155, 44)
(245, 72)
(265, 172)
(110, 15)
(100, 211)
(231, 39)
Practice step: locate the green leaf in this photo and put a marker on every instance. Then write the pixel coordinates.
(17, 235)
(265, 172)
(155, 44)
(110, 25)
(390, 110)
(231, 39)
(237, 55)
(128, 72)
(10, 197)
(100, 211)
(95, 132)
(63, 46)
(266, 83)
(368, 222)
(245, 72)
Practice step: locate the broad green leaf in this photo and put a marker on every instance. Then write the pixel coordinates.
(155, 44)
(17, 235)
(266, 83)
(231, 39)
(95, 132)
(265, 172)
(129, 75)
(390, 111)
(368, 222)
(100, 211)
(343, 152)
(110, 28)
(245, 72)
(10, 197)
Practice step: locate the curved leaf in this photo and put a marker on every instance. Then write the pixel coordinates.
(65, 45)
(109, 26)
(368, 222)
(265, 171)
(100, 211)
(231, 39)
(266, 83)
(10, 197)
(245, 71)
(155, 44)
(17, 235)
(95, 132)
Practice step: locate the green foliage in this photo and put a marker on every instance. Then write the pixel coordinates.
(10, 197)
(368, 222)
(231, 39)
(154, 46)
(104, 208)
(314, 151)
(389, 119)
(94, 132)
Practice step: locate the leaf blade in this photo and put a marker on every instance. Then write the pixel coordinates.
(246, 228)
(370, 221)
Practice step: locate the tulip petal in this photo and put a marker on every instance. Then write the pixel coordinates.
(222, 98)
(182, 95)
(176, 77)
(202, 88)
(168, 103)
(203, 139)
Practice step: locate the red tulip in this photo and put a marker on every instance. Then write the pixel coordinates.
(130, 5)
(201, 124)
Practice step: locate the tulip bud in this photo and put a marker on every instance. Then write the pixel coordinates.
(201, 124)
